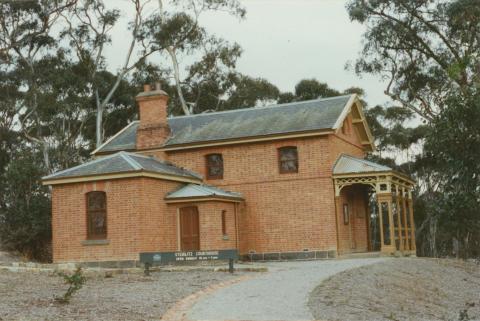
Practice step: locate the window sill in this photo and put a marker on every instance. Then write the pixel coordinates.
(226, 238)
(95, 242)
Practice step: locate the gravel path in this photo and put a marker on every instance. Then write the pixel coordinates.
(401, 289)
(280, 294)
(29, 296)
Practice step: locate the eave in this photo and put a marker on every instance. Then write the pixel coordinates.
(204, 199)
(354, 106)
(190, 199)
(375, 174)
(129, 174)
(245, 140)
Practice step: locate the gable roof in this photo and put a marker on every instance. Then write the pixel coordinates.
(248, 122)
(122, 164)
(198, 192)
(347, 164)
(299, 117)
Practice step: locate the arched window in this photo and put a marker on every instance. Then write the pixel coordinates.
(96, 215)
(214, 166)
(288, 159)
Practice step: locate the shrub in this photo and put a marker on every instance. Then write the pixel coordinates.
(75, 282)
(25, 209)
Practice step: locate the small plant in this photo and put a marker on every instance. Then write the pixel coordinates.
(75, 282)
(464, 313)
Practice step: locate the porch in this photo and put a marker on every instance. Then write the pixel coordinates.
(374, 208)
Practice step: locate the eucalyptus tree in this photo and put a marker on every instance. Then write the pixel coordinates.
(429, 53)
(307, 89)
(88, 31)
(25, 205)
(27, 39)
(171, 31)
(453, 150)
(425, 49)
(175, 31)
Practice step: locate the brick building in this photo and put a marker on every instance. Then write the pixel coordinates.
(280, 182)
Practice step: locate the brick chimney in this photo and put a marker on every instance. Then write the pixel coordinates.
(152, 107)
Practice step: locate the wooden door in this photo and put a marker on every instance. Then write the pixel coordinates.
(189, 229)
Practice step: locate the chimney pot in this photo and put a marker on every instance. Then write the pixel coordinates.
(146, 88)
(158, 86)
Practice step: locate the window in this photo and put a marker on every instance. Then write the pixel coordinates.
(288, 159)
(346, 215)
(96, 215)
(224, 222)
(214, 166)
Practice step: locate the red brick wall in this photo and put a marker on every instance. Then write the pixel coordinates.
(282, 212)
(69, 221)
(353, 237)
(356, 231)
(158, 226)
(138, 220)
(211, 237)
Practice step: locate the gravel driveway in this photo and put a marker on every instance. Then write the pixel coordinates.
(407, 289)
(30, 296)
(281, 294)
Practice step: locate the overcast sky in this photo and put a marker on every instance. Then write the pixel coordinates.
(283, 41)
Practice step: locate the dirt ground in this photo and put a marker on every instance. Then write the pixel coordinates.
(30, 296)
(401, 289)
(6, 257)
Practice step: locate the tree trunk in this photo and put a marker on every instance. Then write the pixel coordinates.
(176, 71)
(99, 121)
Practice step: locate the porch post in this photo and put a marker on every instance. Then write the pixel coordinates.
(408, 247)
(412, 222)
(387, 199)
(380, 214)
(391, 224)
(368, 219)
(399, 221)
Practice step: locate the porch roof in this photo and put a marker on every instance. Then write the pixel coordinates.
(201, 192)
(347, 164)
(349, 170)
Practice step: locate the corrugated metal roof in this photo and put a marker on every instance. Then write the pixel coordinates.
(123, 162)
(192, 191)
(347, 164)
(241, 123)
